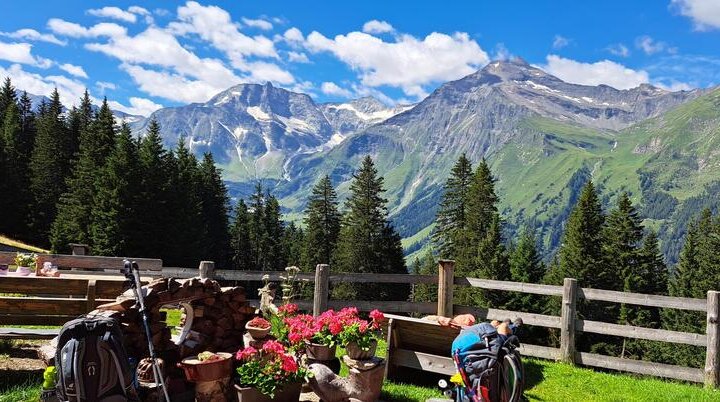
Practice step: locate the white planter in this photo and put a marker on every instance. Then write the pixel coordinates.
(23, 271)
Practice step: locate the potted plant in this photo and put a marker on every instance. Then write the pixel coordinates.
(319, 334)
(359, 337)
(25, 263)
(207, 366)
(271, 373)
(258, 328)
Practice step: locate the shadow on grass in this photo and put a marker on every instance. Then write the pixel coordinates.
(534, 375)
(12, 379)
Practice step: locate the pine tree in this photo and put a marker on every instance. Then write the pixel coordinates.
(322, 222)
(257, 229)
(114, 228)
(214, 201)
(97, 139)
(274, 230)
(8, 96)
(426, 266)
(451, 219)
(154, 219)
(367, 243)
(49, 168)
(526, 266)
(13, 175)
(187, 208)
(240, 239)
(293, 243)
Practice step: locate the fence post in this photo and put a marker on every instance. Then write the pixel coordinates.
(567, 321)
(712, 355)
(322, 288)
(207, 269)
(446, 282)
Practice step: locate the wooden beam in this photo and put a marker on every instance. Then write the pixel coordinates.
(651, 334)
(712, 355)
(25, 333)
(445, 281)
(423, 361)
(639, 299)
(24, 319)
(533, 288)
(547, 321)
(90, 297)
(43, 306)
(640, 367)
(207, 270)
(382, 278)
(567, 321)
(385, 306)
(94, 262)
(322, 289)
(543, 352)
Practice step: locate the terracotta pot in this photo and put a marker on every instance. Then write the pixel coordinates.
(356, 353)
(197, 371)
(23, 271)
(257, 333)
(288, 393)
(318, 352)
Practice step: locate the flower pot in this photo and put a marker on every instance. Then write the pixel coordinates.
(288, 393)
(356, 353)
(319, 352)
(23, 271)
(200, 371)
(3, 269)
(257, 333)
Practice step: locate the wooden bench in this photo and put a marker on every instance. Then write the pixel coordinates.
(43, 301)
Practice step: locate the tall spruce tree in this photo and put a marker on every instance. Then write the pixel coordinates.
(293, 244)
(8, 96)
(257, 228)
(367, 242)
(274, 230)
(114, 228)
(526, 266)
(322, 222)
(186, 201)
(451, 219)
(240, 238)
(13, 175)
(97, 140)
(424, 266)
(49, 168)
(214, 201)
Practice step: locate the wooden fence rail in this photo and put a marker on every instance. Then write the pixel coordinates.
(96, 289)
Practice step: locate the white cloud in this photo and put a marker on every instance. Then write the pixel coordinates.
(73, 30)
(258, 23)
(294, 35)
(298, 57)
(560, 42)
(173, 86)
(502, 52)
(619, 49)
(704, 13)
(33, 35)
(138, 106)
(408, 62)
(261, 72)
(72, 69)
(113, 13)
(602, 72)
(22, 53)
(104, 85)
(649, 45)
(331, 88)
(70, 90)
(377, 27)
(138, 10)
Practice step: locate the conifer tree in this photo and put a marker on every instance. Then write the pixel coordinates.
(425, 266)
(322, 222)
(187, 208)
(293, 243)
(8, 96)
(257, 229)
(367, 243)
(97, 139)
(451, 219)
(274, 230)
(214, 201)
(114, 228)
(526, 266)
(13, 175)
(49, 168)
(240, 238)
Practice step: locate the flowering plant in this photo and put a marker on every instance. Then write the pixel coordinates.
(269, 368)
(322, 330)
(355, 329)
(25, 260)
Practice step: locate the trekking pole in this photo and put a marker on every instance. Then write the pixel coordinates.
(132, 272)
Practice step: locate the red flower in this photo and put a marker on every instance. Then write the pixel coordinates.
(376, 315)
(288, 309)
(335, 327)
(243, 354)
(273, 347)
(288, 364)
(363, 327)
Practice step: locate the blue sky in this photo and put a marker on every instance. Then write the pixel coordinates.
(146, 54)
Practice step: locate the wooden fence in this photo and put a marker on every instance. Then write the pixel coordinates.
(105, 277)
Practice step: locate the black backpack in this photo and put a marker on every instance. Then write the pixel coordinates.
(91, 362)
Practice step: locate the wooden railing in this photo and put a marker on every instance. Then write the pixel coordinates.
(98, 288)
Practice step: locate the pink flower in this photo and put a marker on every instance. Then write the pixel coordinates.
(363, 327)
(273, 347)
(335, 327)
(288, 364)
(376, 315)
(288, 309)
(245, 353)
